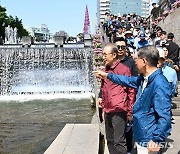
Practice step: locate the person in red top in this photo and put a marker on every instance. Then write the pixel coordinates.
(117, 102)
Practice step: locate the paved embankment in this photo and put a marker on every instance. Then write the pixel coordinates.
(176, 104)
(174, 139)
(76, 139)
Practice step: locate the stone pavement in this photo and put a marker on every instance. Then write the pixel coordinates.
(174, 138)
(76, 139)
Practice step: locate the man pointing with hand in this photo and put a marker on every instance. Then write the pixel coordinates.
(152, 109)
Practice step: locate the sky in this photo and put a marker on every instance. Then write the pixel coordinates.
(67, 15)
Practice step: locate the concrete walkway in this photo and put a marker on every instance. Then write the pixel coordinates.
(174, 138)
(76, 139)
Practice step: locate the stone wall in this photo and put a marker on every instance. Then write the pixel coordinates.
(172, 24)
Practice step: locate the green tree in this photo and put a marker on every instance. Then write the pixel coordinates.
(18, 24)
(38, 39)
(12, 22)
(3, 21)
(15, 22)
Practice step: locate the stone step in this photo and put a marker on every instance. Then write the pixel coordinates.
(176, 99)
(176, 102)
(176, 112)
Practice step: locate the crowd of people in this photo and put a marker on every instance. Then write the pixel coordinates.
(138, 33)
(138, 81)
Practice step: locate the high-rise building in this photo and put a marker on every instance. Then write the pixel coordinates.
(146, 7)
(102, 8)
(120, 7)
(42, 32)
(126, 7)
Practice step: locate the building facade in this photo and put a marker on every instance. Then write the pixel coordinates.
(41, 33)
(120, 7)
(103, 6)
(147, 7)
(126, 7)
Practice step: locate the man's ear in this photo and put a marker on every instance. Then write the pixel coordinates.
(115, 55)
(145, 61)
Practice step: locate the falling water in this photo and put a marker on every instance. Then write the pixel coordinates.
(45, 71)
(42, 89)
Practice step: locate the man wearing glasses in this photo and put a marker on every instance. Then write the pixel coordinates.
(130, 63)
(115, 102)
(121, 44)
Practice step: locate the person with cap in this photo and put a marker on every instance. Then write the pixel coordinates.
(152, 109)
(137, 30)
(123, 23)
(142, 42)
(170, 63)
(168, 72)
(129, 38)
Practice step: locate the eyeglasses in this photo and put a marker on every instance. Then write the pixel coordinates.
(122, 47)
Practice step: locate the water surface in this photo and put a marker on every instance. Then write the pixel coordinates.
(30, 127)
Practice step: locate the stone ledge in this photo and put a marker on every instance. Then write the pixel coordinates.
(76, 139)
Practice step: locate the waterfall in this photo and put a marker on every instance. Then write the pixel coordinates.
(45, 70)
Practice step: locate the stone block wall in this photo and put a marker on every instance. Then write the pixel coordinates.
(172, 24)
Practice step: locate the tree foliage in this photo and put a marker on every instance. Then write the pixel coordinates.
(6, 20)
